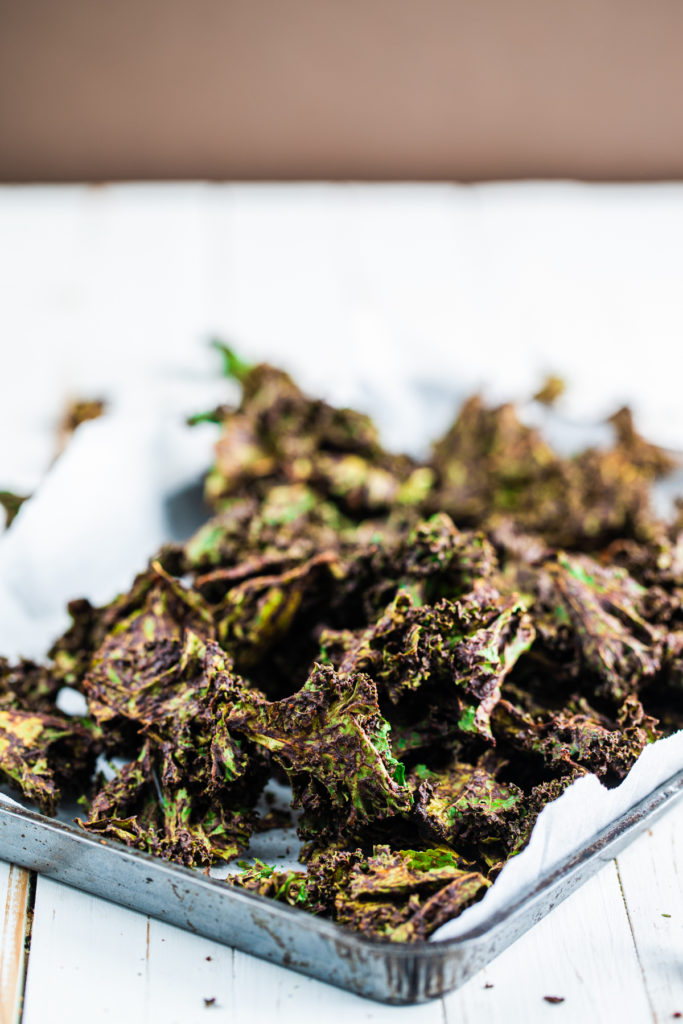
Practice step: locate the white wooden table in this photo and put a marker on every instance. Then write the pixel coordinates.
(102, 286)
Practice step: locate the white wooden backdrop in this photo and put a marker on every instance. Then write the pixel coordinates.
(490, 285)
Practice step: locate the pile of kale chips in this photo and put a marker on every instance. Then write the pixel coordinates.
(427, 652)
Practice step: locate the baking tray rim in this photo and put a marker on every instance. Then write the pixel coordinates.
(620, 831)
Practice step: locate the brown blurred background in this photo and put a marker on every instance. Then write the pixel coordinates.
(362, 89)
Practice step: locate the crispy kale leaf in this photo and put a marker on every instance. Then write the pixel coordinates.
(458, 652)
(400, 895)
(172, 806)
(465, 807)
(333, 744)
(27, 686)
(190, 792)
(579, 740)
(40, 752)
(604, 609)
(284, 886)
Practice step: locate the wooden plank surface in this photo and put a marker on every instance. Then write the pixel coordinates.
(581, 953)
(15, 899)
(650, 874)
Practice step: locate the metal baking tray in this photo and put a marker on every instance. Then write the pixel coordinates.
(399, 973)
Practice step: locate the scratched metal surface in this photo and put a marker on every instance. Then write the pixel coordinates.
(401, 973)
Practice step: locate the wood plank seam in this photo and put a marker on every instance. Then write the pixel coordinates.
(635, 944)
(28, 932)
(16, 921)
